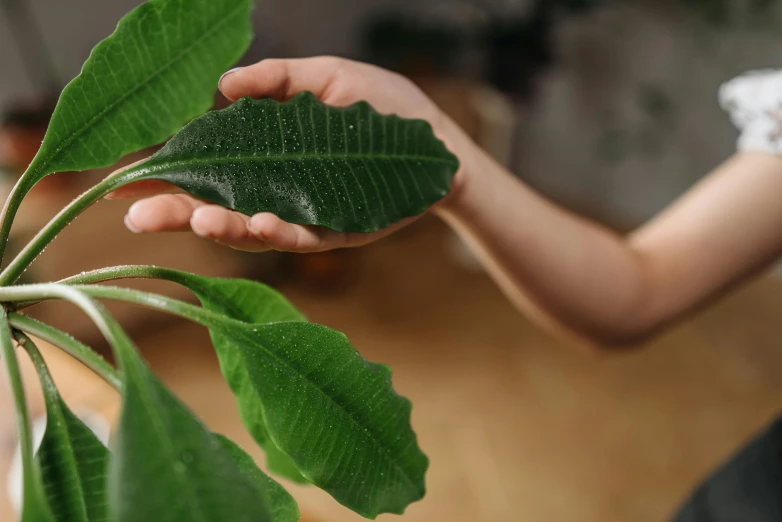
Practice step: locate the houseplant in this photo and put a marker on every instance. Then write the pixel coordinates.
(322, 414)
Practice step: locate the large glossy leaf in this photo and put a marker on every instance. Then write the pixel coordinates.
(167, 466)
(349, 169)
(250, 302)
(72, 460)
(282, 506)
(156, 72)
(334, 414)
(240, 299)
(304, 389)
(243, 300)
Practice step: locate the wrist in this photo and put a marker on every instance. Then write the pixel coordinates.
(473, 161)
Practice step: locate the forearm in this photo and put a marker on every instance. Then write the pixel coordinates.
(553, 265)
(566, 271)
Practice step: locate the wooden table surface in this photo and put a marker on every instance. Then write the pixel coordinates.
(519, 426)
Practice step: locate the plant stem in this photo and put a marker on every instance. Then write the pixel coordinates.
(123, 272)
(59, 222)
(41, 292)
(131, 272)
(23, 428)
(112, 274)
(35, 355)
(79, 351)
(158, 302)
(11, 206)
(121, 344)
(40, 365)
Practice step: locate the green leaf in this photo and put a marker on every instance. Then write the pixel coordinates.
(293, 380)
(74, 464)
(283, 507)
(240, 299)
(156, 72)
(67, 343)
(167, 466)
(334, 414)
(72, 460)
(249, 302)
(35, 507)
(349, 169)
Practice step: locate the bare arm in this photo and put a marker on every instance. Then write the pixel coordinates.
(560, 268)
(617, 290)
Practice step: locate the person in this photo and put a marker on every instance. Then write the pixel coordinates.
(562, 270)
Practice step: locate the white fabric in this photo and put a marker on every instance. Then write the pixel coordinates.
(754, 101)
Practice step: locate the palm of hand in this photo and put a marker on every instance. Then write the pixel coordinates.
(336, 82)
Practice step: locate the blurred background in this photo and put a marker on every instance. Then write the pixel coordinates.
(608, 107)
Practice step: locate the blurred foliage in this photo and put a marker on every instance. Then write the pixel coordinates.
(716, 11)
(725, 12)
(402, 42)
(657, 105)
(513, 48)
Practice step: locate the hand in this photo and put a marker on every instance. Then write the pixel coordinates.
(334, 81)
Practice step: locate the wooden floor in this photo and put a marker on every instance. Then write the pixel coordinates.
(519, 426)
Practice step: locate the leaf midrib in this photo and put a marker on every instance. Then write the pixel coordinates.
(55, 409)
(371, 434)
(161, 163)
(196, 286)
(135, 370)
(70, 455)
(81, 130)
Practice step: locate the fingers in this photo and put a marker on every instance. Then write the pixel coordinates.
(180, 212)
(335, 81)
(141, 189)
(165, 213)
(287, 237)
(282, 79)
(262, 232)
(225, 227)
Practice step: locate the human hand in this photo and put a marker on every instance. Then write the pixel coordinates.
(334, 81)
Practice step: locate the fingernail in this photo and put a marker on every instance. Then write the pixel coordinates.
(130, 225)
(195, 224)
(255, 229)
(252, 225)
(219, 83)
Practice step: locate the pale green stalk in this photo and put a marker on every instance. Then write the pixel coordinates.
(42, 292)
(79, 351)
(23, 428)
(58, 222)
